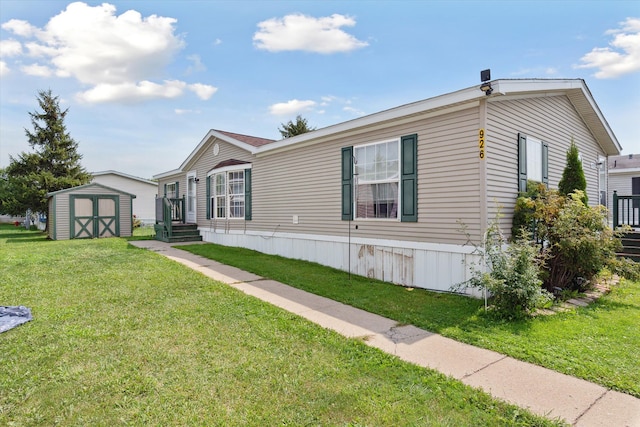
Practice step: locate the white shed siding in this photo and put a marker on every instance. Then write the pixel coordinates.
(143, 204)
(551, 119)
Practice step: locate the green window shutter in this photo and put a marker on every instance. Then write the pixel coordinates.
(247, 194)
(347, 183)
(177, 196)
(208, 197)
(409, 178)
(165, 190)
(545, 163)
(522, 162)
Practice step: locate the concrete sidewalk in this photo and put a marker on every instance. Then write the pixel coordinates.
(543, 391)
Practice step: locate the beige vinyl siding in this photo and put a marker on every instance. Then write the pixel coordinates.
(306, 181)
(203, 164)
(551, 119)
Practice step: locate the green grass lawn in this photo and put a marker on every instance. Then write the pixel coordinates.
(599, 343)
(124, 336)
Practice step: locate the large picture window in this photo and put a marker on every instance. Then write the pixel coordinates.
(380, 180)
(377, 178)
(227, 197)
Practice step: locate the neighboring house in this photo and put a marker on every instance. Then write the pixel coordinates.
(89, 211)
(624, 178)
(144, 190)
(387, 195)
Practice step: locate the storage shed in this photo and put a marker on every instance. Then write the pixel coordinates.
(90, 211)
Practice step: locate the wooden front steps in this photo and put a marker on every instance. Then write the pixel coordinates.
(631, 246)
(180, 233)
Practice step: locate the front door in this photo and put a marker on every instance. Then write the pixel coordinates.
(94, 216)
(191, 199)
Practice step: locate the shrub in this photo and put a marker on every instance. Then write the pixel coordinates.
(579, 243)
(512, 281)
(523, 215)
(573, 175)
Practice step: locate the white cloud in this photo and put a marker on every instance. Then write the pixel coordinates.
(197, 64)
(293, 106)
(20, 28)
(37, 70)
(354, 111)
(117, 56)
(132, 92)
(203, 91)
(180, 111)
(4, 69)
(623, 55)
(10, 48)
(301, 32)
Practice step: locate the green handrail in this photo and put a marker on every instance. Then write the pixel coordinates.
(626, 210)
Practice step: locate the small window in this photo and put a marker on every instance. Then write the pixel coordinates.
(171, 191)
(533, 161)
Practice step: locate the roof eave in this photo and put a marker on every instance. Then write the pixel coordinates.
(580, 96)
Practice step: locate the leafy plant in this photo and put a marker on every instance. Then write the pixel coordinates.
(578, 242)
(512, 275)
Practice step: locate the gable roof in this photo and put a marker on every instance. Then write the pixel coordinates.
(576, 91)
(124, 175)
(91, 184)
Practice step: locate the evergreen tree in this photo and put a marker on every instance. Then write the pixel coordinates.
(292, 129)
(55, 164)
(573, 174)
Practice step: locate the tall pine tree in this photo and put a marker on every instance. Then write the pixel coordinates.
(573, 175)
(55, 164)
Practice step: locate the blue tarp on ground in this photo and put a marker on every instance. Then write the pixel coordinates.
(10, 317)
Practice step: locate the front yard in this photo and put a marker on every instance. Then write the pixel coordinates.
(123, 336)
(599, 343)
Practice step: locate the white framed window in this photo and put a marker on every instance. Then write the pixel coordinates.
(171, 191)
(377, 173)
(534, 159)
(219, 198)
(228, 194)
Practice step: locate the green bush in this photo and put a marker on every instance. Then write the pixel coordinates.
(575, 240)
(573, 175)
(512, 280)
(523, 216)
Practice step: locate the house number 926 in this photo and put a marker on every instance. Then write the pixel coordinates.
(481, 143)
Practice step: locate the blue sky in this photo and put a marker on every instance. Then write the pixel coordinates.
(144, 81)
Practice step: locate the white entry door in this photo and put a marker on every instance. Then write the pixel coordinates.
(191, 199)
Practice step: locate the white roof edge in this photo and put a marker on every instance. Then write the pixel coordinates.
(507, 86)
(217, 135)
(91, 184)
(623, 170)
(463, 95)
(500, 86)
(113, 172)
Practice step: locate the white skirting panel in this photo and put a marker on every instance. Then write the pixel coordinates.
(431, 266)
